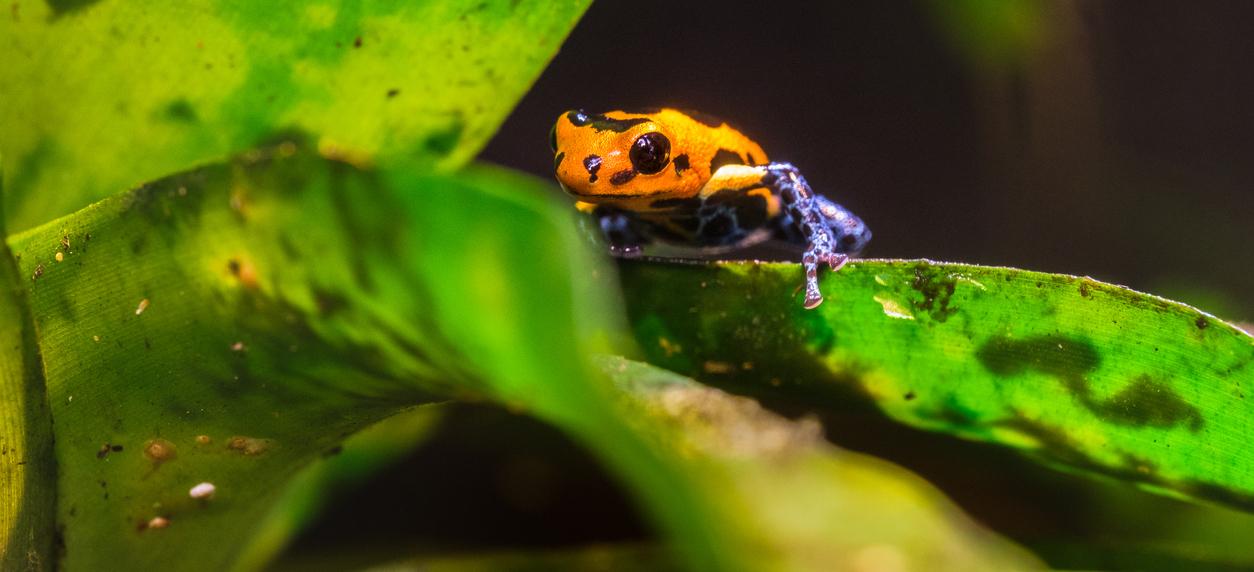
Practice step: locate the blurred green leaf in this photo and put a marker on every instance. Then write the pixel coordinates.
(993, 33)
(807, 505)
(104, 95)
(27, 470)
(233, 324)
(1083, 375)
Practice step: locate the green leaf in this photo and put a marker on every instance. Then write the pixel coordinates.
(27, 470)
(104, 95)
(1080, 374)
(805, 504)
(231, 324)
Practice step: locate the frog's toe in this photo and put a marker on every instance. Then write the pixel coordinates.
(626, 251)
(836, 261)
(813, 299)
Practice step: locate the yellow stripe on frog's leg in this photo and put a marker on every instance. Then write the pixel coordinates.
(585, 207)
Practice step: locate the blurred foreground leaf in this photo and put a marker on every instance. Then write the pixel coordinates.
(1082, 375)
(233, 324)
(104, 95)
(27, 470)
(810, 506)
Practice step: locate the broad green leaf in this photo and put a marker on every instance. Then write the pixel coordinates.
(27, 470)
(1080, 374)
(806, 504)
(102, 95)
(231, 324)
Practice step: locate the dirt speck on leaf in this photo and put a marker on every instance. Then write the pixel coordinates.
(248, 445)
(159, 450)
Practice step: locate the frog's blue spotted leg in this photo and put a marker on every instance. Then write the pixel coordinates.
(830, 233)
(622, 231)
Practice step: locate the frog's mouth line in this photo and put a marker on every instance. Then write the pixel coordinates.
(603, 197)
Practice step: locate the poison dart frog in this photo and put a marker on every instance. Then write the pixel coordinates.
(685, 178)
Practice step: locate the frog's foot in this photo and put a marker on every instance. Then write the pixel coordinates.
(817, 222)
(622, 232)
(812, 261)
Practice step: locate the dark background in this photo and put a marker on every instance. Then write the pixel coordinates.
(1109, 139)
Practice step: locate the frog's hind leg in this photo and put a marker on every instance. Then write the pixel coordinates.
(830, 233)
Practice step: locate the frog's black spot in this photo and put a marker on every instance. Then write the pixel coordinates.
(593, 164)
(557, 161)
(690, 224)
(750, 210)
(724, 157)
(704, 118)
(690, 203)
(718, 228)
(600, 122)
(622, 177)
(681, 163)
(752, 160)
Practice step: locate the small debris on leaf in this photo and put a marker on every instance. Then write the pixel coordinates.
(143, 305)
(160, 450)
(202, 491)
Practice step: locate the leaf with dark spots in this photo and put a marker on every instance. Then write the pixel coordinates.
(991, 354)
(150, 100)
(936, 289)
(1052, 354)
(63, 7)
(1150, 403)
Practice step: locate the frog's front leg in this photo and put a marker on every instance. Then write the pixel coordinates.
(830, 233)
(622, 231)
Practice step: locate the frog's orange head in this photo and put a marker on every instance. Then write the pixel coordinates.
(619, 156)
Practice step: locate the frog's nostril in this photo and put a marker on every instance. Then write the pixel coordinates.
(593, 164)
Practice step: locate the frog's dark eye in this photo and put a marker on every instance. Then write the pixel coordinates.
(553, 138)
(650, 153)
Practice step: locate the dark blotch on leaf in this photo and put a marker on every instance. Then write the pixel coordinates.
(937, 289)
(1148, 402)
(443, 142)
(393, 92)
(1143, 402)
(1055, 355)
(181, 110)
(1201, 323)
(63, 7)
